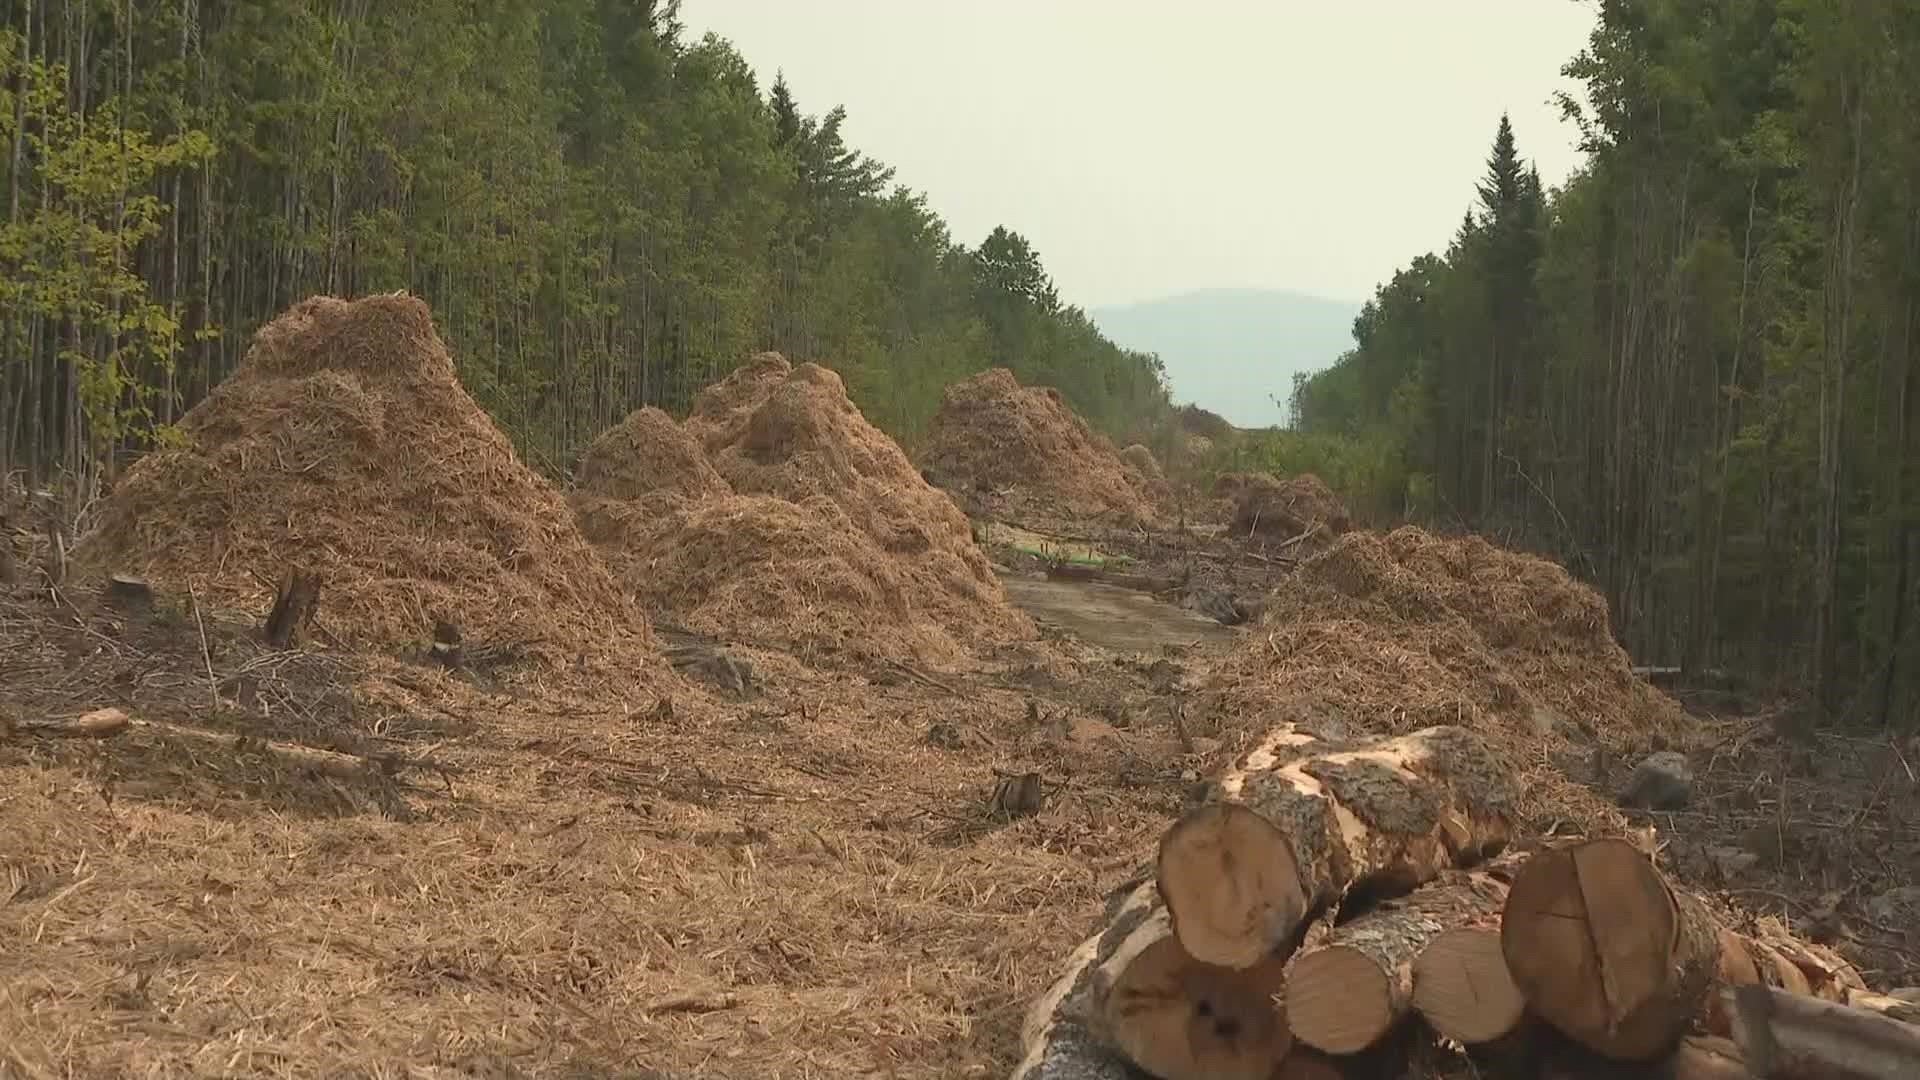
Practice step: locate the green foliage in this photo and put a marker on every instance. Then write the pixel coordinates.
(71, 264)
(602, 213)
(1691, 372)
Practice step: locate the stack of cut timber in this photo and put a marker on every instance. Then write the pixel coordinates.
(1329, 890)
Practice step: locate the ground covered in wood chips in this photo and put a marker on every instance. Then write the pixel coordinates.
(304, 864)
(358, 858)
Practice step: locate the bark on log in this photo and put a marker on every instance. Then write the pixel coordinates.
(1131, 994)
(1348, 991)
(1606, 951)
(1781, 1034)
(1773, 957)
(1893, 1008)
(1302, 821)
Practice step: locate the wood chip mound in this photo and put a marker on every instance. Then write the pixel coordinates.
(993, 434)
(1387, 634)
(779, 512)
(345, 446)
(1301, 505)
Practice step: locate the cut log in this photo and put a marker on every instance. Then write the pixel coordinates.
(1791, 1035)
(1302, 821)
(1131, 994)
(293, 608)
(1605, 951)
(1060, 1044)
(1348, 991)
(1461, 985)
(98, 724)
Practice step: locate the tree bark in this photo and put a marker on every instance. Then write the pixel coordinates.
(294, 605)
(1347, 992)
(1301, 821)
(1789, 1035)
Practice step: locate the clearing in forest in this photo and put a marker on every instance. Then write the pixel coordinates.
(353, 856)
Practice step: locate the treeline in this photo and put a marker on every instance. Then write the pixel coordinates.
(1691, 373)
(602, 213)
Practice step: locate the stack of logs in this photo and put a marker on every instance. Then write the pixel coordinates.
(1328, 891)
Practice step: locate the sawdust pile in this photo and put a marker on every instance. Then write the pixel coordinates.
(1146, 476)
(645, 454)
(1263, 503)
(1397, 632)
(345, 444)
(991, 433)
(814, 530)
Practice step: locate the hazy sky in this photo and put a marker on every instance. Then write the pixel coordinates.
(1148, 149)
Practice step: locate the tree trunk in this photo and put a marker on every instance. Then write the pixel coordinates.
(1347, 992)
(1301, 821)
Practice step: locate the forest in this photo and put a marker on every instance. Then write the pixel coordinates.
(602, 213)
(1690, 373)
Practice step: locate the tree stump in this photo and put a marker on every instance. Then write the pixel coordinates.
(127, 589)
(294, 604)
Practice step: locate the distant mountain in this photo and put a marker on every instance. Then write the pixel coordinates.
(1234, 350)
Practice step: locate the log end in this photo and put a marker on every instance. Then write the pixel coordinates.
(1178, 1018)
(1462, 987)
(1605, 951)
(1339, 1001)
(1231, 885)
